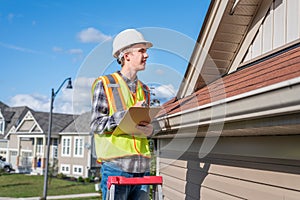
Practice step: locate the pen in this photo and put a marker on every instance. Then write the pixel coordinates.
(144, 104)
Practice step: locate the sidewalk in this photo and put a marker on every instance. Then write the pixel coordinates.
(56, 197)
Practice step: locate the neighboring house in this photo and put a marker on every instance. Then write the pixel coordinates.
(233, 130)
(75, 154)
(10, 117)
(23, 142)
(27, 140)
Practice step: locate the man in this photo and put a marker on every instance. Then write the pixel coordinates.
(124, 154)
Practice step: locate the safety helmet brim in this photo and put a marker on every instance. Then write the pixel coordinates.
(126, 39)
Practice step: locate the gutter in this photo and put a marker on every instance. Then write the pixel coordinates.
(204, 115)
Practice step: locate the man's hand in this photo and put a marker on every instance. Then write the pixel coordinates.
(145, 128)
(140, 104)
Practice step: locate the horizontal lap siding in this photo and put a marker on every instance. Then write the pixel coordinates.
(228, 176)
(172, 194)
(228, 183)
(248, 189)
(211, 194)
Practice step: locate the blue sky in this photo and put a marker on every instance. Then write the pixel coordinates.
(44, 42)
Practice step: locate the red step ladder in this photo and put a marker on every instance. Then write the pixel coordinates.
(156, 181)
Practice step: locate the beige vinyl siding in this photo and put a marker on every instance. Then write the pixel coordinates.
(26, 126)
(267, 32)
(72, 160)
(13, 141)
(281, 26)
(3, 144)
(262, 167)
(293, 22)
(279, 23)
(26, 144)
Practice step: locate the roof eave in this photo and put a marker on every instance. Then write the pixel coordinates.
(243, 107)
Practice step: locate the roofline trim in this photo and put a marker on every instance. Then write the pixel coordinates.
(74, 133)
(269, 88)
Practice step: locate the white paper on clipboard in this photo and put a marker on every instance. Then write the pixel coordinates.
(133, 117)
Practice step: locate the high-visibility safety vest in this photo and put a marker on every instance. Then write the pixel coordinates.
(119, 97)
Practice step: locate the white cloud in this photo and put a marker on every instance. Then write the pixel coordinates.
(18, 48)
(92, 35)
(57, 49)
(76, 100)
(70, 51)
(164, 91)
(82, 94)
(63, 102)
(10, 17)
(36, 102)
(75, 51)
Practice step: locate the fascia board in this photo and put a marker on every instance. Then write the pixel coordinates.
(74, 133)
(275, 99)
(201, 47)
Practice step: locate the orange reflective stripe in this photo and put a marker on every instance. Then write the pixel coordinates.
(110, 97)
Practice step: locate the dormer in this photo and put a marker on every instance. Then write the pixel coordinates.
(28, 125)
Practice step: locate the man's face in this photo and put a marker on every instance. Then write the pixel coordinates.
(137, 57)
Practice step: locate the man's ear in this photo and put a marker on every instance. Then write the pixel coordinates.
(126, 57)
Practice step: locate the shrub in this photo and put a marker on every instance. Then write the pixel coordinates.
(80, 179)
(61, 176)
(87, 180)
(2, 171)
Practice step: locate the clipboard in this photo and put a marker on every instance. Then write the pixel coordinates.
(134, 116)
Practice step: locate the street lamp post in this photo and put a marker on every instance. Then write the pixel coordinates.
(53, 94)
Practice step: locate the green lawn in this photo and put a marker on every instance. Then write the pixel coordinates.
(20, 185)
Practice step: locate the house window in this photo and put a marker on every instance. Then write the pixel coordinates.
(39, 146)
(78, 147)
(65, 169)
(66, 146)
(77, 170)
(55, 148)
(13, 153)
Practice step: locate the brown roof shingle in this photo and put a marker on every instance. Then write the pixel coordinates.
(275, 69)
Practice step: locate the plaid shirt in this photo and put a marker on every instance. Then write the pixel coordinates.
(102, 123)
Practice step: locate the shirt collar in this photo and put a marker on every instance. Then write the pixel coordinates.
(127, 80)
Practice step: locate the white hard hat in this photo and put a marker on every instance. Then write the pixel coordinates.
(127, 38)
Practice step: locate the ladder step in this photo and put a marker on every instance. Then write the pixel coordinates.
(146, 180)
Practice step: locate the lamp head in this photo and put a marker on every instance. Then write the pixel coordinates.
(69, 86)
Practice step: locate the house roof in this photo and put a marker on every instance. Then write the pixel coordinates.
(223, 32)
(80, 125)
(279, 67)
(59, 121)
(3, 106)
(257, 97)
(12, 115)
